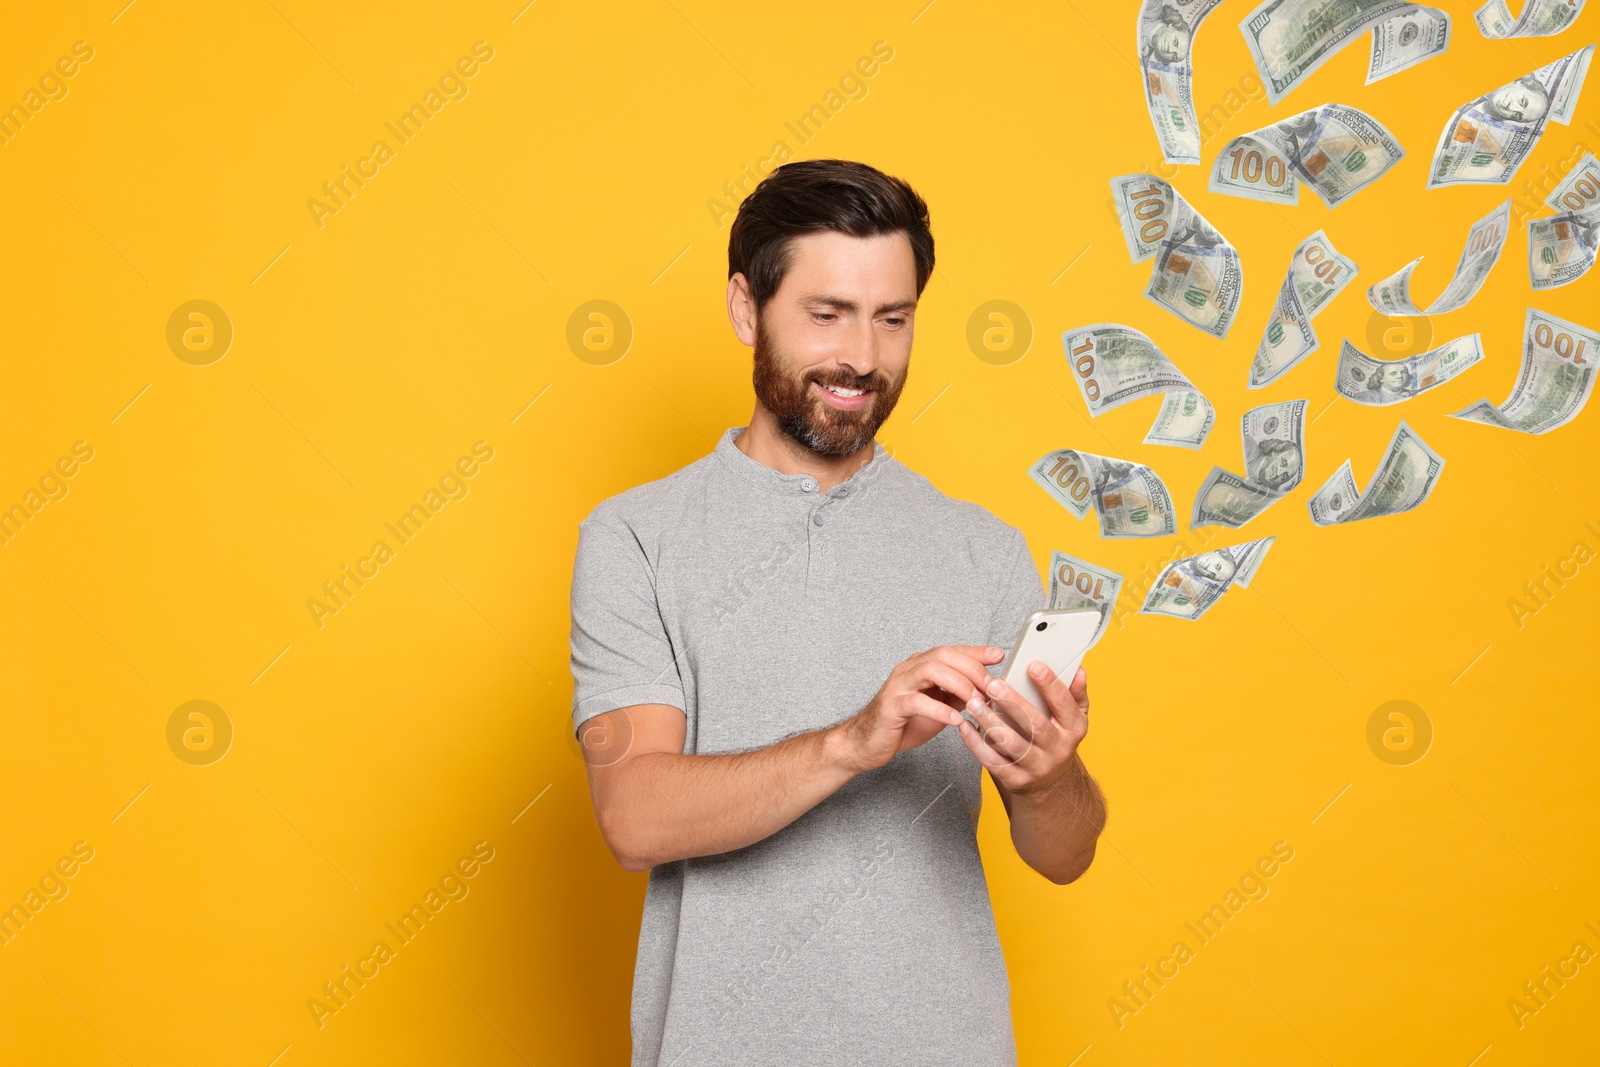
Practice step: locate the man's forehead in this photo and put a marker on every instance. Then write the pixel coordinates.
(830, 253)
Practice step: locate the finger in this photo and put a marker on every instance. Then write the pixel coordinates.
(936, 672)
(1002, 735)
(1080, 690)
(1021, 711)
(1001, 767)
(981, 653)
(923, 706)
(972, 667)
(1058, 698)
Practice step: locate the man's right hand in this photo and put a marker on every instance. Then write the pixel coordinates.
(922, 696)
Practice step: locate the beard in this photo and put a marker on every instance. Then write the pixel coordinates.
(808, 420)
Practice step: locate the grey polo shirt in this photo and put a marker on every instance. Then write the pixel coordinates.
(861, 933)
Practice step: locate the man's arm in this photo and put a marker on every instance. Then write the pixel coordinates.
(656, 804)
(1056, 809)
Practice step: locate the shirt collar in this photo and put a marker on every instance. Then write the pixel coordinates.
(760, 474)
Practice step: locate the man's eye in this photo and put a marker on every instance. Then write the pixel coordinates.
(824, 316)
(896, 323)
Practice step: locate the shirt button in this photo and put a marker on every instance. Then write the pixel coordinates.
(808, 486)
(843, 490)
(817, 518)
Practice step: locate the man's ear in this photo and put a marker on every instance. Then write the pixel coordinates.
(742, 309)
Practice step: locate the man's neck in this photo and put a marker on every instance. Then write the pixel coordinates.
(768, 445)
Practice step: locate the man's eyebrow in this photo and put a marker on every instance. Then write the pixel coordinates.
(850, 305)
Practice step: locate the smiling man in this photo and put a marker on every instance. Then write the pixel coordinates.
(770, 651)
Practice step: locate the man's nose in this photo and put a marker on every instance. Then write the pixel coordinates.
(861, 350)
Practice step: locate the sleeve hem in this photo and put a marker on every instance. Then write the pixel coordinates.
(626, 696)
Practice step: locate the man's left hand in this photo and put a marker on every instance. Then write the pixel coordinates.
(1028, 750)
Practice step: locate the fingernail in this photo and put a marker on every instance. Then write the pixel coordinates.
(974, 703)
(1037, 670)
(997, 688)
(995, 653)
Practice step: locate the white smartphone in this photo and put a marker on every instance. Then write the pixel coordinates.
(1059, 637)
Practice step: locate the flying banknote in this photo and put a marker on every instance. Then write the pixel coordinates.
(1289, 39)
(1186, 588)
(1405, 478)
(1077, 584)
(1197, 274)
(1487, 139)
(1129, 498)
(1580, 189)
(1274, 463)
(1561, 249)
(1553, 383)
(1539, 18)
(1485, 241)
(1116, 365)
(1317, 274)
(1337, 150)
(1166, 39)
(1378, 383)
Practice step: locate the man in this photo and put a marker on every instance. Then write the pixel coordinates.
(1524, 100)
(771, 649)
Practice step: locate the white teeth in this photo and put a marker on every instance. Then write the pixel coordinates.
(840, 391)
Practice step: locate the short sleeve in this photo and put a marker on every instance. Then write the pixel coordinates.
(621, 654)
(1021, 594)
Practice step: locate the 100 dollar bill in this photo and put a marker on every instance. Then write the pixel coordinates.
(1317, 274)
(1187, 588)
(1378, 383)
(1487, 139)
(1129, 497)
(1335, 149)
(1075, 583)
(1553, 383)
(1539, 18)
(1166, 40)
(1561, 249)
(1403, 480)
(1485, 241)
(1289, 39)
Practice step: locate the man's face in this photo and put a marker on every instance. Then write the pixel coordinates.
(1277, 468)
(1517, 102)
(834, 342)
(1393, 378)
(1218, 566)
(1169, 43)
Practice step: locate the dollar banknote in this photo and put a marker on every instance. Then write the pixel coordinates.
(1129, 497)
(1317, 274)
(1197, 274)
(1274, 463)
(1166, 39)
(1487, 139)
(1115, 365)
(1377, 382)
(1184, 420)
(1186, 588)
(1405, 478)
(1553, 383)
(1485, 241)
(1580, 189)
(1407, 38)
(1337, 150)
(1290, 39)
(1561, 249)
(1539, 18)
(1075, 583)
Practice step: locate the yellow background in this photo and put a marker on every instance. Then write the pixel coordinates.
(425, 716)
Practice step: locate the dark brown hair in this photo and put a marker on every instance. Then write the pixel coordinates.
(822, 194)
